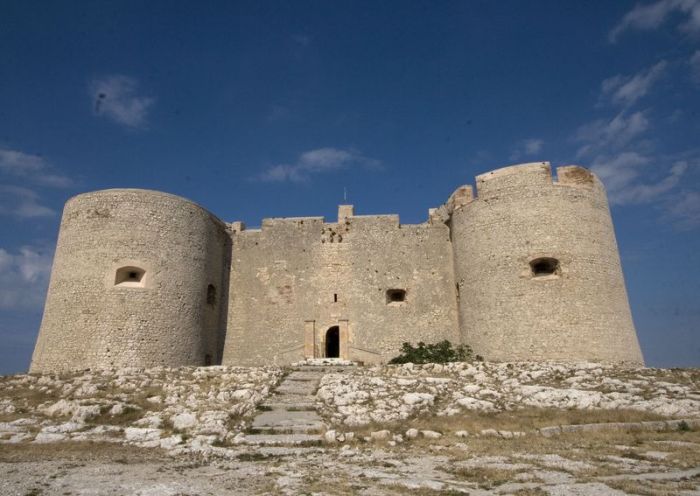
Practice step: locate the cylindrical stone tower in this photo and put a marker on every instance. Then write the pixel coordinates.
(538, 269)
(137, 281)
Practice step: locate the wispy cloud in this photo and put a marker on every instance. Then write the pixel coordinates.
(20, 163)
(33, 167)
(620, 148)
(626, 90)
(623, 174)
(646, 17)
(527, 148)
(695, 66)
(117, 98)
(320, 160)
(24, 277)
(603, 134)
(684, 210)
(24, 203)
(626, 164)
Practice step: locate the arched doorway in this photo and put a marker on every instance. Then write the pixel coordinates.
(333, 342)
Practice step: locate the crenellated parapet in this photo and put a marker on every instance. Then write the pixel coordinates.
(523, 180)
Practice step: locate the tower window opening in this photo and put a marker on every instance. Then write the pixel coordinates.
(395, 296)
(134, 277)
(335, 297)
(544, 266)
(211, 295)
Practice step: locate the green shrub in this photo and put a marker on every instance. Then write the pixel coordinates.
(441, 352)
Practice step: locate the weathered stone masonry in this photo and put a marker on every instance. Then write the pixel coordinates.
(525, 269)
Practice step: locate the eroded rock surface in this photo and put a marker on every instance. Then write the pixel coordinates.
(393, 393)
(158, 407)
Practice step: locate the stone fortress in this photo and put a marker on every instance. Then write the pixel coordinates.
(525, 269)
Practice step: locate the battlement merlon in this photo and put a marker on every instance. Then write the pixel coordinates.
(521, 177)
(345, 212)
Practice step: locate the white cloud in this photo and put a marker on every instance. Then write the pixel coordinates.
(527, 148)
(24, 277)
(19, 163)
(602, 134)
(618, 150)
(318, 161)
(685, 210)
(621, 159)
(34, 167)
(116, 97)
(622, 177)
(626, 90)
(22, 202)
(695, 67)
(652, 15)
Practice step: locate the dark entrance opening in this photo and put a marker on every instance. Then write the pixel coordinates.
(333, 342)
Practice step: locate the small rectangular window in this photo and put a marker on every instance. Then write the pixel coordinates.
(545, 266)
(395, 296)
(130, 277)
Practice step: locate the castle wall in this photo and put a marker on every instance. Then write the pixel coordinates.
(506, 312)
(168, 317)
(286, 278)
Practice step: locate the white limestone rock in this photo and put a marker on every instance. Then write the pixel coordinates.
(50, 437)
(61, 408)
(380, 435)
(152, 421)
(184, 421)
(171, 442)
(412, 433)
(431, 434)
(139, 434)
(85, 413)
(330, 436)
(475, 404)
(64, 428)
(418, 398)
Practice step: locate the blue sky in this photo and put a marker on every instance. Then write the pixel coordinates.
(263, 109)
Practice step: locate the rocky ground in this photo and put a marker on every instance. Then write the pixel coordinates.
(481, 428)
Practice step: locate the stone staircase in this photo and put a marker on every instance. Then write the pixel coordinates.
(288, 416)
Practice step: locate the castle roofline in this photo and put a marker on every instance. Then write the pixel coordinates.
(147, 193)
(527, 174)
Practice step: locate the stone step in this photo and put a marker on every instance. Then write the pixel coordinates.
(291, 398)
(324, 362)
(321, 368)
(304, 376)
(290, 406)
(289, 415)
(284, 418)
(297, 388)
(282, 439)
(316, 428)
